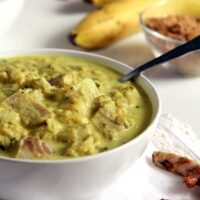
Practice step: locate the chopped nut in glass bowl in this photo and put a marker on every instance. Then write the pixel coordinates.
(168, 24)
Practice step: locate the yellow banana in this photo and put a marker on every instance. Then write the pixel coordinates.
(112, 22)
(100, 3)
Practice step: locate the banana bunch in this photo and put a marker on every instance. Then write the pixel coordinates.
(115, 20)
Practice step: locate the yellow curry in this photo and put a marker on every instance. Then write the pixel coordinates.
(56, 107)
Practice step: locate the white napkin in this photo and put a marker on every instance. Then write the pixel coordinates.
(144, 181)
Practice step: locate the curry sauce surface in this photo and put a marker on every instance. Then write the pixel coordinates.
(56, 107)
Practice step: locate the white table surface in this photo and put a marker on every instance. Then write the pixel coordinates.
(46, 23)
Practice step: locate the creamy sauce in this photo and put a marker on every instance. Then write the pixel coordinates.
(56, 107)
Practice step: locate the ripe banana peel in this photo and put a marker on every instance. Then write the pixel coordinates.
(100, 3)
(109, 24)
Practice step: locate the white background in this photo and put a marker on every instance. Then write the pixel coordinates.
(46, 23)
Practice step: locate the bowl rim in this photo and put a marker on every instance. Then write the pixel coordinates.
(2, 1)
(85, 55)
(153, 32)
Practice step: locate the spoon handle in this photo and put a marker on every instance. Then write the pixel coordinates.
(181, 50)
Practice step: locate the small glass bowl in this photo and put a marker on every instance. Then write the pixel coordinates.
(159, 43)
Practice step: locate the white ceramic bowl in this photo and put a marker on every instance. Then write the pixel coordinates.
(79, 178)
(9, 11)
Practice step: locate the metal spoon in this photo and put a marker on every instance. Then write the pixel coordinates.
(181, 50)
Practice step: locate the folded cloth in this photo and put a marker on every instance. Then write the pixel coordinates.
(167, 134)
(144, 181)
